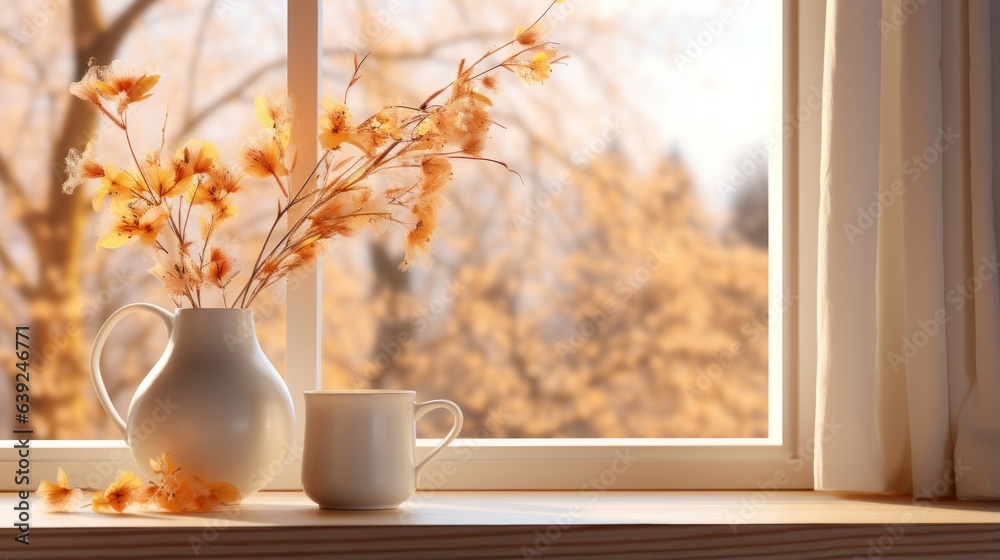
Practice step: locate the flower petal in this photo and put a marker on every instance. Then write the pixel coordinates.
(142, 86)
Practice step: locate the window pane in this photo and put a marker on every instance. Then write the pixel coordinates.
(54, 280)
(621, 290)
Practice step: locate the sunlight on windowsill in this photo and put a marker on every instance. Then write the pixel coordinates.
(464, 508)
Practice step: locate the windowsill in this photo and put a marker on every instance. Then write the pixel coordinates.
(470, 524)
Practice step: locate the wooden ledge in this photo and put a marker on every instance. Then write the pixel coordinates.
(534, 524)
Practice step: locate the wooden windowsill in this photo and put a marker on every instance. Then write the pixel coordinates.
(533, 524)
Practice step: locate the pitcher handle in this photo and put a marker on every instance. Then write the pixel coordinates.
(95, 354)
(423, 408)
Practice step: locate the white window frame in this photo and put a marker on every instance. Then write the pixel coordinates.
(782, 460)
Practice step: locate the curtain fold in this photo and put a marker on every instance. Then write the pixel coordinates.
(909, 299)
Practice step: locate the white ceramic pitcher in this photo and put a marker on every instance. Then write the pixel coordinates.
(213, 400)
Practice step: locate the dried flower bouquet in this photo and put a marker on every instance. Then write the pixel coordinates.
(153, 200)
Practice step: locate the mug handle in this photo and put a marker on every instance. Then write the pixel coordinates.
(423, 408)
(95, 354)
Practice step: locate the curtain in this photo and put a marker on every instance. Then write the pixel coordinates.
(908, 378)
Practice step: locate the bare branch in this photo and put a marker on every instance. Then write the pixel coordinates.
(108, 41)
(199, 44)
(231, 94)
(12, 187)
(8, 264)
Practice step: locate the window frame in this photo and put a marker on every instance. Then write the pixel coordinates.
(783, 460)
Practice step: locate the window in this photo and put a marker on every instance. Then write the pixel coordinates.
(621, 290)
(666, 181)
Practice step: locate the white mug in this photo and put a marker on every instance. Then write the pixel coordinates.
(360, 447)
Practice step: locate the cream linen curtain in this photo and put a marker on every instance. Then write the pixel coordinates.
(908, 386)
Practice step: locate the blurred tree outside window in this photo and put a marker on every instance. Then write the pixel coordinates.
(619, 291)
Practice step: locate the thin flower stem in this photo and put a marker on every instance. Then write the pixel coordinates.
(357, 67)
(155, 201)
(128, 140)
(512, 57)
(282, 243)
(163, 131)
(180, 220)
(281, 186)
(496, 161)
(305, 183)
(395, 199)
(173, 226)
(488, 54)
(328, 186)
(187, 294)
(187, 219)
(411, 165)
(271, 279)
(208, 235)
(277, 219)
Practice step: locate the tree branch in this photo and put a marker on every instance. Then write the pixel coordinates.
(11, 185)
(231, 94)
(108, 41)
(8, 264)
(199, 44)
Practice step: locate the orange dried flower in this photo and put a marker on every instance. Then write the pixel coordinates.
(86, 88)
(162, 182)
(114, 83)
(491, 82)
(221, 178)
(223, 493)
(337, 127)
(529, 37)
(367, 139)
(124, 85)
(344, 214)
(81, 167)
(335, 123)
(436, 178)
(134, 220)
(173, 492)
(538, 67)
(437, 175)
(471, 124)
(177, 272)
(214, 190)
(162, 466)
(58, 496)
(220, 267)
(117, 185)
(263, 157)
(122, 492)
(419, 238)
(194, 158)
(388, 122)
(275, 115)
